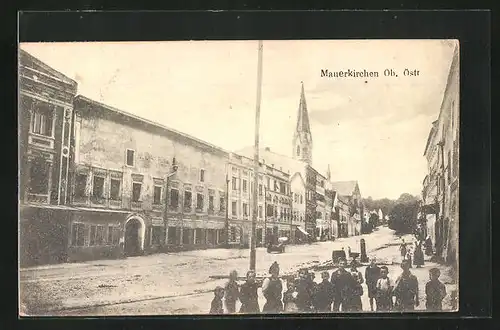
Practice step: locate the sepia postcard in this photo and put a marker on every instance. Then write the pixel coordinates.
(238, 177)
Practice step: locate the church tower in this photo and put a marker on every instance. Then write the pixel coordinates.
(302, 137)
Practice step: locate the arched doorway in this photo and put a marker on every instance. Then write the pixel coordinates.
(134, 236)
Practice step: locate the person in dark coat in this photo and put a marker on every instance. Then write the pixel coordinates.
(435, 291)
(305, 290)
(343, 283)
(232, 292)
(372, 274)
(216, 306)
(428, 246)
(406, 289)
(323, 298)
(272, 288)
(248, 295)
(418, 258)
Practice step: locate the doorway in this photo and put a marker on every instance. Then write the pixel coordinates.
(133, 244)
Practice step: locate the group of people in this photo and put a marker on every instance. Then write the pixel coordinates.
(414, 254)
(342, 291)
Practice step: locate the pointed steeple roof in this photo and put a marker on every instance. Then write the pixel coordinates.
(303, 116)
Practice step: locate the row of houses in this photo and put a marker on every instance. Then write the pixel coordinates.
(441, 184)
(98, 182)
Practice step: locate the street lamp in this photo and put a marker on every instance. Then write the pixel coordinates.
(165, 212)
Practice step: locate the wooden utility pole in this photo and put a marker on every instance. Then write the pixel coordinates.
(256, 157)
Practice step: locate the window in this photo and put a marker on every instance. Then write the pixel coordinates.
(234, 185)
(222, 204)
(233, 208)
(110, 234)
(199, 202)
(198, 235)
(268, 183)
(98, 187)
(301, 199)
(211, 203)
(93, 230)
(295, 198)
(304, 151)
(260, 211)
(80, 185)
(282, 188)
(39, 173)
(202, 175)
(157, 195)
(269, 211)
(136, 191)
(298, 150)
(99, 238)
(260, 190)
(245, 209)
(157, 236)
(130, 157)
(42, 119)
(174, 198)
(187, 199)
(233, 234)
(244, 185)
(78, 234)
(114, 191)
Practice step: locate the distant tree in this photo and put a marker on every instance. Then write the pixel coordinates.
(403, 216)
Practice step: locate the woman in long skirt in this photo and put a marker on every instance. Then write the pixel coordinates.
(418, 258)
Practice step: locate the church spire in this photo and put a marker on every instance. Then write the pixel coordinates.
(302, 137)
(303, 115)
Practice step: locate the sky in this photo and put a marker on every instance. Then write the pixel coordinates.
(372, 130)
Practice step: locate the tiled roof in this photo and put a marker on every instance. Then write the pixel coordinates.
(344, 188)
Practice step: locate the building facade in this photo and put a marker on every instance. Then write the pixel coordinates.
(123, 167)
(349, 194)
(441, 185)
(45, 113)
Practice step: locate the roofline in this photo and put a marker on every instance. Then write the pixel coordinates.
(45, 65)
(451, 71)
(260, 163)
(149, 122)
(300, 175)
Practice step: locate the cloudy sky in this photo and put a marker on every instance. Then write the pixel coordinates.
(372, 130)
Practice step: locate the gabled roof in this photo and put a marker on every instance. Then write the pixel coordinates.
(300, 177)
(302, 115)
(344, 188)
(30, 61)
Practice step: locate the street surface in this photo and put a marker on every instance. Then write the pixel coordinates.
(179, 283)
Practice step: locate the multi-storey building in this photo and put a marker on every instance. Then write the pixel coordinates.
(274, 211)
(45, 125)
(298, 188)
(440, 191)
(349, 193)
(123, 167)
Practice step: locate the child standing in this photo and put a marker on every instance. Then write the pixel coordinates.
(372, 274)
(406, 289)
(216, 306)
(435, 291)
(384, 291)
(324, 294)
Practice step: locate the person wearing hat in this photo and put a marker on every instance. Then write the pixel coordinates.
(343, 283)
(272, 288)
